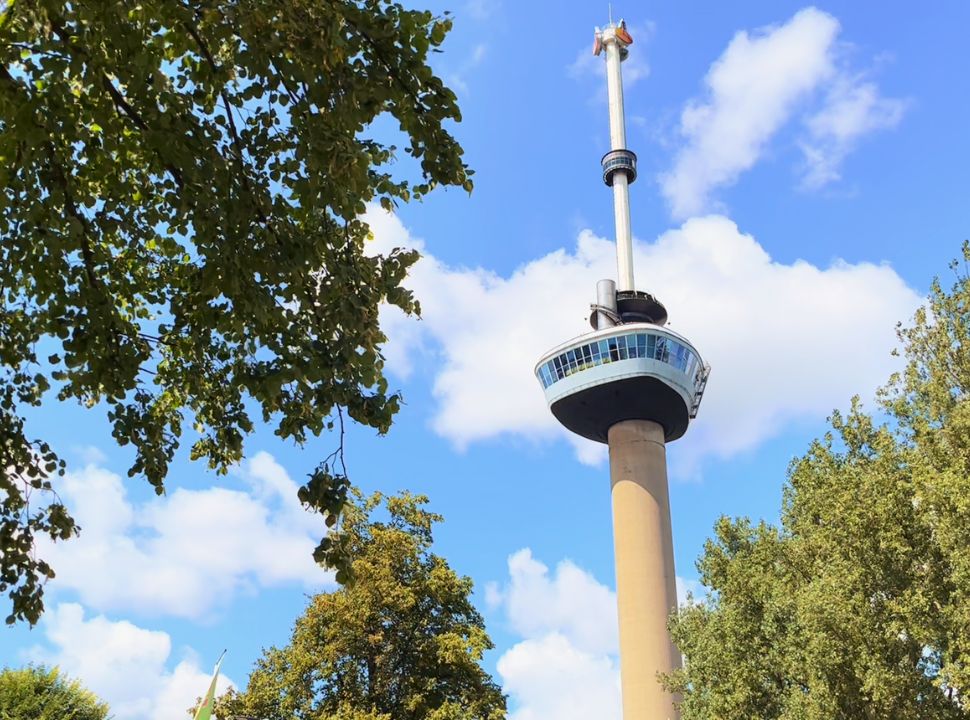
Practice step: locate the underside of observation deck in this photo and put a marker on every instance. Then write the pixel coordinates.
(593, 411)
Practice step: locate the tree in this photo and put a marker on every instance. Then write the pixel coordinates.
(181, 242)
(40, 693)
(858, 605)
(402, 642)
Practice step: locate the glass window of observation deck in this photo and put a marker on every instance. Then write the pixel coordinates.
(620, 347)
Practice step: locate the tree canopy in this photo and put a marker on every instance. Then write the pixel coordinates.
(40, 693)
(181, 242)
(858, 605)
(402, 642)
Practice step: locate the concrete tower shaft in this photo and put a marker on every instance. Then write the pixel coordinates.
(646, 584)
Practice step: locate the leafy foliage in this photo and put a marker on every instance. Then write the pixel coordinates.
(39, 693)
(858, 606)
(403, 641)
(181, 187)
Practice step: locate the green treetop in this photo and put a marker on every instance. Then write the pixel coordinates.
(181, 243)
(402, 642)
(858, 605)
(39, 693)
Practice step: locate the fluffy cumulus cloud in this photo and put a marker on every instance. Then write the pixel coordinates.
(552, 678)
(751, 91)
(565, 665)
(126, 665)
(570, 602)
(187, 552)
(787, 342)
(762, 79)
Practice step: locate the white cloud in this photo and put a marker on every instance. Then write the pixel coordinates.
(566, 665)
(752, 90)
(126, 665)
(89, 455)
(853, 108)
(189, 552)
(760, 82)
(550, 678)
(571, 603)
(787, 342)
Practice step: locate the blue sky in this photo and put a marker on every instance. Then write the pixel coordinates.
(803, 176)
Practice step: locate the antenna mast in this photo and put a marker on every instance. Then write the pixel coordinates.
(619, 164)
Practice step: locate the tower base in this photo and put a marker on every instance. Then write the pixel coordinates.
(646, 587)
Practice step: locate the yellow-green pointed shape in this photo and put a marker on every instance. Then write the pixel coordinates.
(204, 712)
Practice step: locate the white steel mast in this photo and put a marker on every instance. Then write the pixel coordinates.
(620, 164)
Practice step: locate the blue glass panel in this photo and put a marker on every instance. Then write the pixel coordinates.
(641, 345)
(604, 350)
(621, 347)
(677, 360)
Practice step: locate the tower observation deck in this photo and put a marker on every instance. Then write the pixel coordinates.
(634, 384)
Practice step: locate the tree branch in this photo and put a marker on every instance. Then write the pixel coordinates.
(117, 99)
(380, 56)
(86, 254)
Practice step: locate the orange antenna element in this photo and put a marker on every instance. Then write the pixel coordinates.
(597, 43)
(622, 34)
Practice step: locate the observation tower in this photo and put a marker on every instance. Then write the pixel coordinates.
(635, 385)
